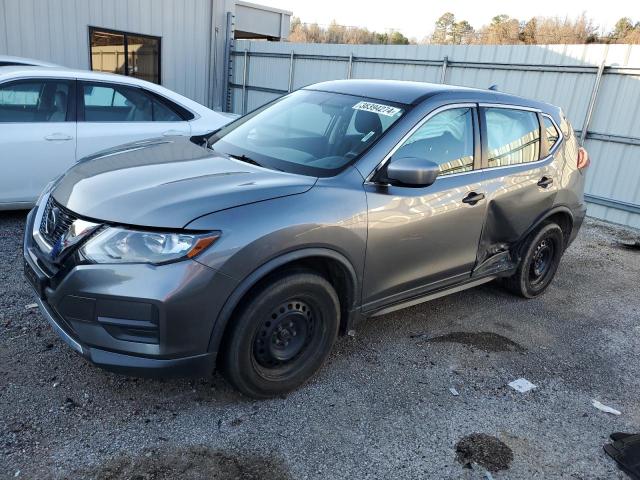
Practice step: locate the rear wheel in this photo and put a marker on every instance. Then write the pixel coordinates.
(541, 256)
(282, 335)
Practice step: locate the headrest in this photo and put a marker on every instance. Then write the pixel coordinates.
(366, 122)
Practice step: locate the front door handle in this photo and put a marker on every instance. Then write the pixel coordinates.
(473, 198)
(544, 182)
(58, 137)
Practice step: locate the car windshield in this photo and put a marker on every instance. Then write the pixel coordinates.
(308, 132)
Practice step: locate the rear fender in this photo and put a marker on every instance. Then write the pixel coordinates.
(505, 257)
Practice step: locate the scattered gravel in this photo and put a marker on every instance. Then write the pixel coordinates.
(381, 408)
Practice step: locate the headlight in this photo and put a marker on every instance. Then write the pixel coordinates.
(119, 245)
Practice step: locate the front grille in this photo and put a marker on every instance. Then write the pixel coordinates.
(64, 219)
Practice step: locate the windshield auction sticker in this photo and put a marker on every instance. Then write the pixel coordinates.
(378, 108)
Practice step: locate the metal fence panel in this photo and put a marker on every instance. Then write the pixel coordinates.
(563, 75)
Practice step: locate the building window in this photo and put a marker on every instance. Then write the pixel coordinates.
(125, 53)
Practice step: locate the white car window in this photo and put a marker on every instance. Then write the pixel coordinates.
(118, 103)
(30, 101)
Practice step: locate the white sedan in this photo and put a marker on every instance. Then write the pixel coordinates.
(52, 117)
(7, 60)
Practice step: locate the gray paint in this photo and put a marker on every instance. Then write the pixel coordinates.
(395, 245)
(563, 75)
(167, 184)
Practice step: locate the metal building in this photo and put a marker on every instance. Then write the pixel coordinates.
(182, 44)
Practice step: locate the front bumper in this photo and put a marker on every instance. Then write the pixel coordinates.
(132, 318)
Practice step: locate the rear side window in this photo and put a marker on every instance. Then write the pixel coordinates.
(118, 103)
(34, 101)
(550, 131)
(445, 139)
(513, 136)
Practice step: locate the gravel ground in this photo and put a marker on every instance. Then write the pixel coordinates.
(381, 408)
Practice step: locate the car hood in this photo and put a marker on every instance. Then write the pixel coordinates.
(167, 183)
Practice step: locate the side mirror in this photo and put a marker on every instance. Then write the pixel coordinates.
(412, 171)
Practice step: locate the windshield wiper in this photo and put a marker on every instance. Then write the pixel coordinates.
(244, 158)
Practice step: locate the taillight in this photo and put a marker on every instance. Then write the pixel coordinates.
(583, 158)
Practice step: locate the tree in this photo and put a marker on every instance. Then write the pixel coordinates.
(625, 31)
(622, 28)
(443, 28)
(462, 33)
(528, 32)
(564, 30)
(335, 33)
(397, 38)
(502, 30)
(448, 31)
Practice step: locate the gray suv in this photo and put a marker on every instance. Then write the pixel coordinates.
(254, 247)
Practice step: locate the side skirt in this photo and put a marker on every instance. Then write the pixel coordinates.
(500, 264)
(431, 296)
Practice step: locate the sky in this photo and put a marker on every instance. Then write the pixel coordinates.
(415, 18)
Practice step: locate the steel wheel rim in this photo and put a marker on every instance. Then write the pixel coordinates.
(284, 336)
(542, 261)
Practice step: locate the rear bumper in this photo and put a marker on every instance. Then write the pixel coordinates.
(136, 319)
(578, 219)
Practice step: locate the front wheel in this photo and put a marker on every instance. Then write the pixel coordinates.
(282, 336)
(541, 256)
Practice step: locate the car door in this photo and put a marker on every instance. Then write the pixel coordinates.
(112, 114)
(37, 136)
(420, 239)
(519, 177)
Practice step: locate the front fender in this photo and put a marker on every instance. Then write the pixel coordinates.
(329, 220)
(263, 271)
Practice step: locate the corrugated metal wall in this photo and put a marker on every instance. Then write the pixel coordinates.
(57, 31)
(560, 74)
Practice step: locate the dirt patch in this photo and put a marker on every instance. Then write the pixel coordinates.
(187, 464)
(487, 341)
(484, 450)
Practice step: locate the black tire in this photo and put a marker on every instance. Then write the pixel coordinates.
(282, 335)
(541, 254)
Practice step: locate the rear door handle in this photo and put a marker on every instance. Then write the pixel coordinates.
(58, 137)
(544, 182)
(473, 198)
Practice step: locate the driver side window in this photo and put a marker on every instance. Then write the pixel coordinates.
(446, 139)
